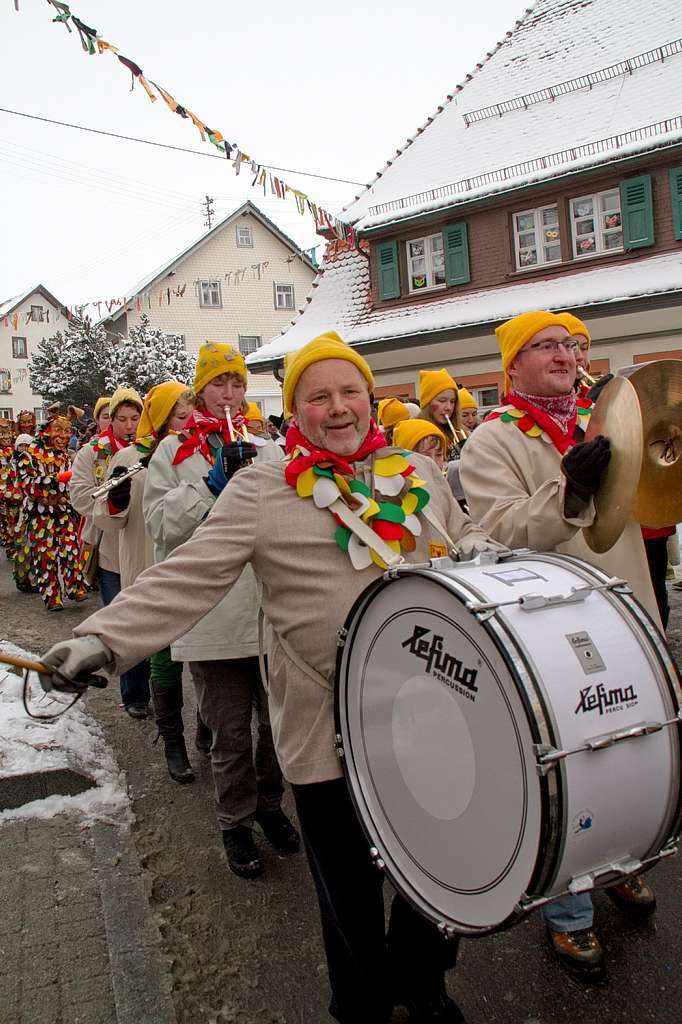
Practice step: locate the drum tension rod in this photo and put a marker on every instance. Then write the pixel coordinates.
(531, 602)
(549, 756)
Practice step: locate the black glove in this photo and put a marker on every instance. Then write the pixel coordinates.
(584, 464)
(119, 496)
(229, 459)
(596, 389)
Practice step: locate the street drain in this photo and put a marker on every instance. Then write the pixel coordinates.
(17, 790)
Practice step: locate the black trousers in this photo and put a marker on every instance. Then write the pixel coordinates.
(368, 968)
(657, 556)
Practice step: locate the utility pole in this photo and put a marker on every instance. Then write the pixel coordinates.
(208, 205)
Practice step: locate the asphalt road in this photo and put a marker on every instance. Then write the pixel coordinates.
(246, 952)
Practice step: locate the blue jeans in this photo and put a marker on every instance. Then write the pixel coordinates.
(570, 913)
(134, 682)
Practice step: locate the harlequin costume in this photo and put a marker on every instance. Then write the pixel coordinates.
(10, 495)
(50, 523)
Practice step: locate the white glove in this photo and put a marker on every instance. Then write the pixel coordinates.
(473, 544)
(74, 659)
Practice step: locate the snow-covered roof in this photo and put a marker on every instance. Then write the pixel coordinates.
(9, 305)
(162, 271)
(341, 302)
(575, 83)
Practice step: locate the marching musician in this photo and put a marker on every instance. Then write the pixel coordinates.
(167, 407)
(185, 477)
(439, 404)
(530, 480)
(423, 438)
(89, 470)
(391, 412)
(276, 516)
(468, 408)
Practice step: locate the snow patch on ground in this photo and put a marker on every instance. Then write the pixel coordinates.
(74, 740)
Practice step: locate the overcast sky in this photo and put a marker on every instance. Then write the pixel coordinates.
(296, 85)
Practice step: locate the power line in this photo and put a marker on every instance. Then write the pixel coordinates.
(164, 145)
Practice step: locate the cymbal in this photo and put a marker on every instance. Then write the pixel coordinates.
(617, 416)
(658, 386)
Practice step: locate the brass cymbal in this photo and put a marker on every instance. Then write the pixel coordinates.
(659, 389)
(617, 416)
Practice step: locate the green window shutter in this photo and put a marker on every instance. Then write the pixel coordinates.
(676, 195)
(638, 212)
(388, 272)
(456, 246)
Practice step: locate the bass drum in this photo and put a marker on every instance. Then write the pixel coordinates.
(510, 732)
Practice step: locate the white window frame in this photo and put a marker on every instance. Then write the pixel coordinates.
(40, 415)
(289, 291)
(206, 288)
(248, 339)
(427, 241)
(540, 243)
(600, 232)
(19, 355)
(7, 413)
(41, 314)
(247, 242)
(5, 382)
(485, 407)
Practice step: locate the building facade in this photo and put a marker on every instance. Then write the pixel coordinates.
(242, 282)
(24, 321)
(551, 178)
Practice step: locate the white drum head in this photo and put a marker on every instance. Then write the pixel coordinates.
(439, 754)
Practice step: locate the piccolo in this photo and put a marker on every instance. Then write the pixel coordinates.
(458, 435)
(588, 378)
(114, 481)
(230, 426)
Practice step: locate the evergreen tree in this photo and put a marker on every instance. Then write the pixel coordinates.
(147, 357)
(71, 367)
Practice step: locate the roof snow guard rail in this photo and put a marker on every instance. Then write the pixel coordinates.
(541, 163)
(624, 67)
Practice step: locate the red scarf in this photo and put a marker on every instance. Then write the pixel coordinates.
(560, 430)
(320, 456)
(195, 435)
(115, 443)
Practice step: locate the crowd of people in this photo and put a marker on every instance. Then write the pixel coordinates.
(237, 546)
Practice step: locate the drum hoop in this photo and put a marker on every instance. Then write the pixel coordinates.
(550, 795)
(657, 654)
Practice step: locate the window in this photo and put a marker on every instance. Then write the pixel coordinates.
(596, 223)
(284, 296)
(37, 313)
(40, 415)
(6, 414)
(487, 398)
(425, 263)
(5, 382)
(536, 237)
(244, 236)
(209, 293)
(19, 348)
(248, 343)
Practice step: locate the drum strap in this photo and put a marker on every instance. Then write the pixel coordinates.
(435, 522)
(301, 665)
(364, 533)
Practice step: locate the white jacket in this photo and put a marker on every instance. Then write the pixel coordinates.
(176, 502)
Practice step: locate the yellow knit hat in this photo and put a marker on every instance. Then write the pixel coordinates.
(122, 395)
(99, 405)
(409, 433)
(517, 332)
(216, 357)
(466, 399)
(253, 413)
(325, 346)
(158, 405)
(392, 411)
(431, 383)
(575, 326)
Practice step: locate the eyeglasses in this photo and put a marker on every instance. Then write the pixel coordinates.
(553, 346)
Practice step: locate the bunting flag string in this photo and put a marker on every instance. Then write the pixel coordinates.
(92, 44)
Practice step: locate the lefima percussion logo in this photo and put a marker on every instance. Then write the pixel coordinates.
(598, 698)
(440, 664)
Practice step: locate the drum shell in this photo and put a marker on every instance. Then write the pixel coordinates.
(560, 802)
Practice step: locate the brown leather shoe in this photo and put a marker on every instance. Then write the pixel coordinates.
(634, 896)
(580, 952)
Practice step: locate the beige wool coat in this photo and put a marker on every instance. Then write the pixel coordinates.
(517, 493)
(135, 547)
(83, 483)
(308, 587)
